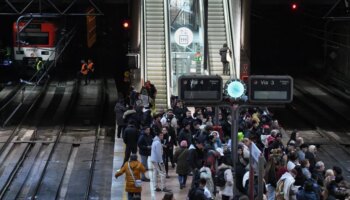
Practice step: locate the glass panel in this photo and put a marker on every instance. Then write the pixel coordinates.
(35, 38)
(186, 39)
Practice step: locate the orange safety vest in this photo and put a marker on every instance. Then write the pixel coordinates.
(91, 67)
(84, 70)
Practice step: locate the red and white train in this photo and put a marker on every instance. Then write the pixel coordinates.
(36, 40)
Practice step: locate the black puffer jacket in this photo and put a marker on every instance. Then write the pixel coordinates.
(144, 143)
(131, 135)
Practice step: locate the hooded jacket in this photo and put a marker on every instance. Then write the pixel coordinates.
(227, 190)
(288, 188)
(157, 150)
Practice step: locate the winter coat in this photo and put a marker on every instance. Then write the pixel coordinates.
(227, 190)
(145, 141)
(185, 135)
(289, 189)
(199, 195)
(131, 136)
(205, 173)
(119, 110)
(306, 195)
(195, 158)
(223, 52)
(137, 169)
(180, 157)
(157, 150)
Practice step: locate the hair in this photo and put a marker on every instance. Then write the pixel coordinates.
(312, 148)
(224, 45)
(293, 135)
(304, 162)
(168, 196)
(337, 170)
(292, 156)
(329, 172)
(202, 181)
(133, 157)
(319, 164)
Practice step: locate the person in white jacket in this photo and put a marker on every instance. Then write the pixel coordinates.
(227, 191)
(289, 190)
(157, 161)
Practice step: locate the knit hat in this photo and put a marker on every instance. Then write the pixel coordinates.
(183, 143)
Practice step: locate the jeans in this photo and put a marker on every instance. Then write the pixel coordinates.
(182, 179)
(144, 160)
(270, 192)
(131, 195)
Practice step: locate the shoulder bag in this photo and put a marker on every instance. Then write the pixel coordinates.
(138, 182)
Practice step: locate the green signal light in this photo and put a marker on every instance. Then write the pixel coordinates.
(235, 88)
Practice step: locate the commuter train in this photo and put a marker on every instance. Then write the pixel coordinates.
(36, 39)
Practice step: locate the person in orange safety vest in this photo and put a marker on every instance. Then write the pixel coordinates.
(91, 69)
(84, 71)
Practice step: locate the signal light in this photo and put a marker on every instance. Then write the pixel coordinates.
(294, 6)
(126, 24)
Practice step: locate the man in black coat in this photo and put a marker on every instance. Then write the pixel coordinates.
(196, 158)
(225, 62)
(145, 146)
(199, 191)
(130, 137)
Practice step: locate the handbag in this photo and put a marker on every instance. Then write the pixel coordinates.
(138, 182)
(228, 56)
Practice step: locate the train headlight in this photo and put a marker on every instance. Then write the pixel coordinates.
(19, 52)
(45, 53)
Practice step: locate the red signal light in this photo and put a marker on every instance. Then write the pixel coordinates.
(294, 6)
(126, 24)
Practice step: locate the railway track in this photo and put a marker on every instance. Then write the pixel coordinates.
(319, 115)
(53, 154)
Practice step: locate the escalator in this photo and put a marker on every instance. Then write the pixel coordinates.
(165, 59)
(155, 49)
(217, 36)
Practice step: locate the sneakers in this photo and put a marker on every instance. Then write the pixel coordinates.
(145, 180)
(166, 190)
(157, 190)
(167, 176)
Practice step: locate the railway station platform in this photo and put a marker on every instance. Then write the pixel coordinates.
(148, 193)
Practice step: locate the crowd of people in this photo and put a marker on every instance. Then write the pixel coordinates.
(198, 144)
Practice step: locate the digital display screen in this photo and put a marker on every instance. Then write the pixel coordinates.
(270, 95)
(270, 89)
(200, 89)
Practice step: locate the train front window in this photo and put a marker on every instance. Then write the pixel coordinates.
(28, 38)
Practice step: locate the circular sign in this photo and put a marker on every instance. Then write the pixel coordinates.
(183, 36)
(235, 88)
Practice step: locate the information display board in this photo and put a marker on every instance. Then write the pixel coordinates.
(200, 89)
(270, 89)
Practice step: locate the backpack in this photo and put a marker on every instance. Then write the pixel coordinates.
(279, 194)
(192, 193)
(220, 178)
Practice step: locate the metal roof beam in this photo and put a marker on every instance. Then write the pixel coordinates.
(51, 8)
